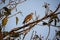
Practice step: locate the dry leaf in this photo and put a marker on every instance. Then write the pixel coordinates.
(17, 20)
(4, 21)
(1, 16)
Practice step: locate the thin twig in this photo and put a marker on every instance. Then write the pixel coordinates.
(48, 33)
(14, 14)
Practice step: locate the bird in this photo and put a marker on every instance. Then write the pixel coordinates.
(28, 18)
(8, 11)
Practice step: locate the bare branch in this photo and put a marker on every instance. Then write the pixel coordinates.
(14, 14)
(37, 21)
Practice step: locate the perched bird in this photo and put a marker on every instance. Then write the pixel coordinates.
(8, 11)
(28, 18)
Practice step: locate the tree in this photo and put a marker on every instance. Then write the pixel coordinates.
(11, 35)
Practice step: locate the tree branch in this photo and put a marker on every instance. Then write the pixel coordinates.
(37, 21)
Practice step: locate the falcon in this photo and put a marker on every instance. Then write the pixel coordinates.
(28, 18)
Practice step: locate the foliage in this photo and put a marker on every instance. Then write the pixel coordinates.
(4, 21)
